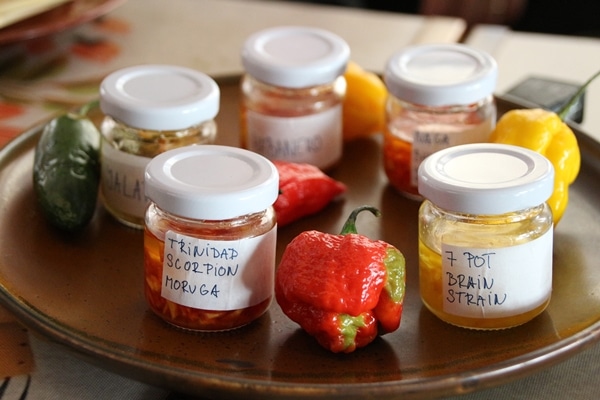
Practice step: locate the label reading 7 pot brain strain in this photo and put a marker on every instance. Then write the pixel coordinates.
(496, 282)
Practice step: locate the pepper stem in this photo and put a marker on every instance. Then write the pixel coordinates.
(562, 113)
(88, 106)
(350, 225)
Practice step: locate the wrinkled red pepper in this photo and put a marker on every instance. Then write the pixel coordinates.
(303, 190)
(344, 289)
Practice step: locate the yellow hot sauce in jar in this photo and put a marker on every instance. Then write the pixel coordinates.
(485, 235)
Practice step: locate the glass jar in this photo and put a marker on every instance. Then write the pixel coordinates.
(485, 235)
(292, 94)
(149, 109)
(439, 96)
(210, 236)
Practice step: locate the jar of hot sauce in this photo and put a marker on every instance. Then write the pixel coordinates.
(292, 94)
(210, 236)
(439, 96)
(149, 109)
(485, 235)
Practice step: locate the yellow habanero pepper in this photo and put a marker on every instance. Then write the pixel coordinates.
(363, 113)
(545, 132)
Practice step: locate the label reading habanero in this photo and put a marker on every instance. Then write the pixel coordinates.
(219, 275)
(496, 282)
(428, 139)
(123, 181)
(314, 139)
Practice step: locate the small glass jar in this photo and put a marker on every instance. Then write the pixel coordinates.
(485, 235)
(292, 94)
(149, 109)
(439, 96)
(210, 236)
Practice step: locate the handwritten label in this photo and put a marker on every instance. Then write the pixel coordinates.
(123, 181)
(315, 139)
(218, 275)
(496, 282)
(428, 139)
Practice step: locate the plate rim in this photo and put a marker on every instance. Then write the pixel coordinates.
(14, 32)
(143, 370)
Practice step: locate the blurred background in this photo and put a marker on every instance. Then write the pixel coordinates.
(566, 17)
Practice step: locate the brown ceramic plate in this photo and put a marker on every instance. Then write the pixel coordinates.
(57, 19)
(86, 293)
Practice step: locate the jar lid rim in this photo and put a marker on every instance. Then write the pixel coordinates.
(211, 182)
(441, 74)
(295, 56)
(159, 97)
(486, 178)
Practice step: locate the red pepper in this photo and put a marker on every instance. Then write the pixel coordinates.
(303, 190)
(344, 289)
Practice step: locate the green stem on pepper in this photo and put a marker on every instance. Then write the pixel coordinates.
(86, 108)
(350, 224)
(562, 113)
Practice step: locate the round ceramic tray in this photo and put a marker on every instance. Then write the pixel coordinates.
(86, 293)
(57, 19)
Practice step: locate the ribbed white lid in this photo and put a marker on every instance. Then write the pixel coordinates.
(295, 56)
(441, 75)
(486, 178)
(211, 182)
(159, 97)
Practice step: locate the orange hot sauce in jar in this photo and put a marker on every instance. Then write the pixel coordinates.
(210, 236)
(292, 94)
(439, 96)
(485, 235)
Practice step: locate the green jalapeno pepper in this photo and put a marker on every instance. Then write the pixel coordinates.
(66, 170)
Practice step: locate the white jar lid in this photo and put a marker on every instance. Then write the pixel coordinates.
(486, 178)
(441, 75)
(295, 57)
(159, 97)
(211, 182)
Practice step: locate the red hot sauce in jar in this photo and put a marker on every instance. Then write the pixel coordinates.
(210, 236)
(292, 94)
(439, 96)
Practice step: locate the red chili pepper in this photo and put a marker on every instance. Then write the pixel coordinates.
(303, 190)
(342, 289)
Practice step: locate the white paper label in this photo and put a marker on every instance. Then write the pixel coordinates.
(496, 282)
(427, 139)
(218, 275)
(314, 139)
(123, 180)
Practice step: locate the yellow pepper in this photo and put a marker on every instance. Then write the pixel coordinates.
(364, 104)
(544, 131)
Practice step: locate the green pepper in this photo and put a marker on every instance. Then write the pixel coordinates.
(344, 289)
(66, 170)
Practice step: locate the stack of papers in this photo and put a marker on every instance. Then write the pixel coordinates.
(12, 11)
